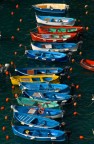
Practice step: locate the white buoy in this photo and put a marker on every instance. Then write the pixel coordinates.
(93, 131)
(0, 35)
(7, 65)
(92, 96)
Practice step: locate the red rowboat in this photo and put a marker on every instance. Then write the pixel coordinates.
(60, 29)
(53, 37)
(87, 64)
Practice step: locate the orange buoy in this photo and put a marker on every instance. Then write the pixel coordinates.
(6, 117)
(68, 77)
(80, 53)
(87, 28)
(7, 137)
(75, 113)
(71, 69)
(13, 86)
(12, 37)
(2, 108)
(73, 60)
(20, 45)
(3, 128)
(0, 65)
(7, 99)
(17, 6)
(79, 95)
(75, 104)
(77, 86)
(81, 137)
(78, 20)
(21, 20)
(12, 13)
(18, 29)
(16, 95)
(15, 53)
(12, 63)
(7, 73)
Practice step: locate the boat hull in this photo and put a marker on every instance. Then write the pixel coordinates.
(35, 120)
(44, 112)
(51, 8)
(45, 21)
(86, 65)
(47, 56)
(45, 87)
(35, 71)
(56, 47)
(21, 131)
(32, 102)
(59, 29)
(41, 37)
(15, 80)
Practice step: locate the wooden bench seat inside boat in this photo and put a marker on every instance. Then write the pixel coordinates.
(30, 72)
(43, 6)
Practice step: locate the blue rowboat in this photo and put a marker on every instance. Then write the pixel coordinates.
(52, 96)
(35, 71)
(45, 87)
(38, 134)
(40, 111)
(35, 120)
(47, 56)
(55, 21)
(56, 47)
(54, 8)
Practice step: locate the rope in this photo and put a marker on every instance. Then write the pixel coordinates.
(86, 114)
(33, 22)
(34, 28)
(90, 104)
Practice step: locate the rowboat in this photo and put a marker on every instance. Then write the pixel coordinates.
(53, 37)
(35, 120)
(38, 134)
(56, 47)
(25, 101)
(45, 87)
(36, 71)
(59, 29)
(87, 64)
(48, 96)
(34, 110)
(51, 7)
(47, 56)
(15, 80)
(55, 21)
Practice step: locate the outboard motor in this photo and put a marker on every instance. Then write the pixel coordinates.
(4, 68)
(69, 55)
(72, 89)
(80, 44)
(66, 69)
(62, 77)
(0, 35)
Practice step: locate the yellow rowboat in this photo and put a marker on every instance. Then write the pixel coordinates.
(15, 80)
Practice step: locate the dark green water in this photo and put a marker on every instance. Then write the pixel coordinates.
(83, 123)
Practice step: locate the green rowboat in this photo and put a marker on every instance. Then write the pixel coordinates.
(33, 102)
